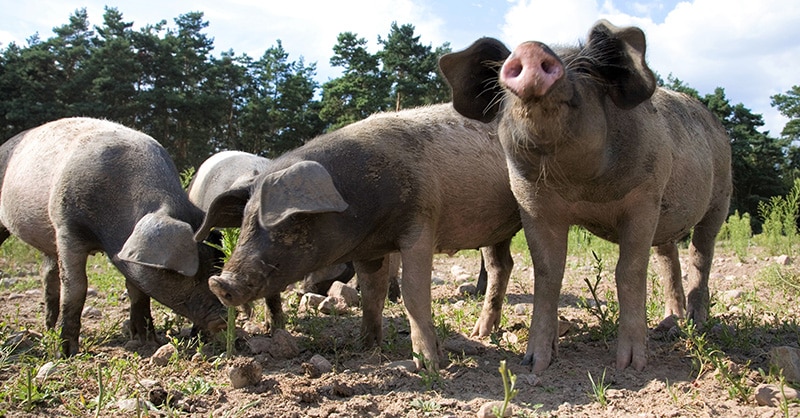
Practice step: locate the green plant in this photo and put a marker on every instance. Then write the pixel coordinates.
(430, 376)
(599, 388)
(736, 232)
(509, 392)
(426, 406)
(186, 177)
(606, 314)
(780, 216)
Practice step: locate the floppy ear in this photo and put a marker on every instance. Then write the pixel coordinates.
(304, 187)
(620, 53)
(226, 211)
(161, 241)
(472, 76)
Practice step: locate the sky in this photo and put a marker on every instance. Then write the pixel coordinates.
(751, 48)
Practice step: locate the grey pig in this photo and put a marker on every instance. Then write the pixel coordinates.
(417, 182)
(77, 186)
(590, 140)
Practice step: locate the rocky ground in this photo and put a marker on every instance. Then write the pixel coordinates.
(317, 369)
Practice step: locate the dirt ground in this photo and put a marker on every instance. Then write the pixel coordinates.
(378, 382)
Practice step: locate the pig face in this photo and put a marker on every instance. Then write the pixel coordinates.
(278, 243)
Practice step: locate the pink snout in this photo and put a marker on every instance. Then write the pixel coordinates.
(531, 70)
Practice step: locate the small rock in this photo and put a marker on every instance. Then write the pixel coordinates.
(310, 302)
(529, 379)
(91, 312)
(149, 383)
(463, 346)
(783, 260)
(564, 327)
(788, 359)
(259, 344)
(254, 328)
(488, 410)
(244, 372)
(770, 395)
(132, 405)
(48, 369)
(33, 292)
(467, 289)
(91, 292)
(283, 345)
(7, 282)
(347, 293)
(731, 296)
(317, 366)
(162, 356)
(333, 305)
(510, 338)
(520, 309)
(407, 365)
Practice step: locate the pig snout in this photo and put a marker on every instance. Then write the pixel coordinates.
(531, 70)
(229, 289)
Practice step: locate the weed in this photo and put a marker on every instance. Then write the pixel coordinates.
(430, 377)
(606, 314)
(780, 215)
(509, 381)
(426, 406)
(736, 232)
(599, 388)
(186, 177)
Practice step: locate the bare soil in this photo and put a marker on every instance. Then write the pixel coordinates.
(379, 383)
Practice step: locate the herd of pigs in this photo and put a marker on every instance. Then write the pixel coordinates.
(540, 138)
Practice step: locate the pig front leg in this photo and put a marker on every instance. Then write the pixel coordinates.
(141, 320)
(373, 280)
(276, 318)
(416, 292)
(498, 264)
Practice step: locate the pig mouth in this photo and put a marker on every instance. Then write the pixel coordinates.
(231, 293)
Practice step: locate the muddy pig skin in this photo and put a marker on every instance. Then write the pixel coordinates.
(591, 140)
(417, 182)
(77, 186)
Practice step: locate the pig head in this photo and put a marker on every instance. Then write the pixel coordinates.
(590, 140)
(417, 182)
(77, 186)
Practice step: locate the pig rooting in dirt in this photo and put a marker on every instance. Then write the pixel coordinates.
(77, 186)
(590, 140)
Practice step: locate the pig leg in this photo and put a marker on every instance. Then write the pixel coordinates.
(547, 242)
(701, 253)
(483, 277)
(498, 268)
(416, 292)
(72, 264)
(668, 267)
(373, 279)
(142, 327)
(276, 319)
(52, 290)
(635, 239)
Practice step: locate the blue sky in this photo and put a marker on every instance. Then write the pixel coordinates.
(750, 48)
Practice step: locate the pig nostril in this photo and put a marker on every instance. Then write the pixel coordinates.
(512, 68)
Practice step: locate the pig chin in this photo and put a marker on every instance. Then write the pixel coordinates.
(231, 291)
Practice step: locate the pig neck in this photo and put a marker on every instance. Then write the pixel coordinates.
(555, 145)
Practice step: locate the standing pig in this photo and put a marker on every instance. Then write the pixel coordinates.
(417, 182)
(227, 170)
(77, 186)
(590, 140)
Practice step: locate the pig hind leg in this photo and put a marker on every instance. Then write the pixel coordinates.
(72, 265)
(52, 290)
(373, 280)
(668, 266)
(498, 268)
(701, 254)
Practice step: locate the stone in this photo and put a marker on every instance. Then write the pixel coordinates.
(162, 356)
(347, 293)
(283, 345)
(317, 366)
(783, 260)
(132, 405)
(467, 289)
(91, 312)
(259, 344)
(520, 309)
(244, 372)
(770, 395)
(407, 365)
(488, 410)
(788, 359)
(310, 302)
(333, 305)
(48, 369)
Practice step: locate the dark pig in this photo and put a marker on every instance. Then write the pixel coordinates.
(590, 140)
(417, 182)
(76, 186)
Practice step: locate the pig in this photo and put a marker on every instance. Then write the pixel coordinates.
(232, 169)
(591, 140)
(418, 182)
(77, 186)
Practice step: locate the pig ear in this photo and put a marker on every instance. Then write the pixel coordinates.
(472, 76)
(226, 211)
(621, 57)
(161, 241)
(305, 187)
